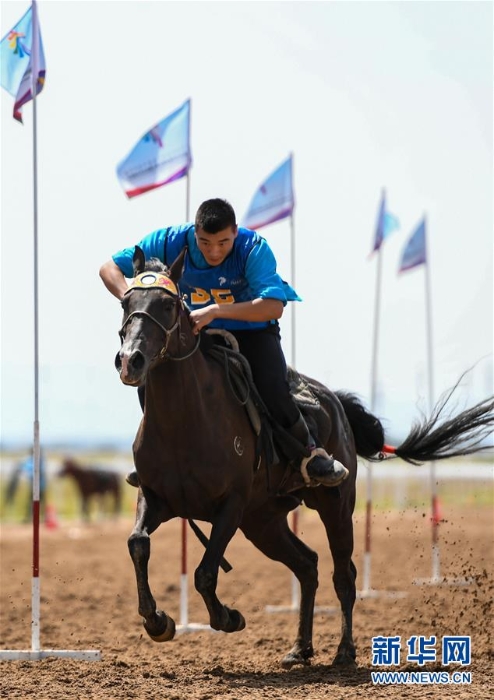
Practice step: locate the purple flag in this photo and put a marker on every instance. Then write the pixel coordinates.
(385, 225)
(273, 200)
(414, 253)
(161, 156)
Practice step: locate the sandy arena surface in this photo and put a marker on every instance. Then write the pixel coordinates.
(88, 601)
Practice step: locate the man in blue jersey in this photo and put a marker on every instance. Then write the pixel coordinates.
(231, 282)
(23, 470)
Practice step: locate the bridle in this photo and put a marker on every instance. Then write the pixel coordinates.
(157, 280)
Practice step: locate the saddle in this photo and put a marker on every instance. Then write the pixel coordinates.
(272, 437)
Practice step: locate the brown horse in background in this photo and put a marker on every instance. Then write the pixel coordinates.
(94, 483)
(196, 457)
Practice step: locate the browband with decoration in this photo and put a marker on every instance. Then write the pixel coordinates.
(153, 279)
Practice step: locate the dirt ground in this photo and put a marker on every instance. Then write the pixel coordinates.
(88, 601)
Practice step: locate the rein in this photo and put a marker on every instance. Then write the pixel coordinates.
(158, 281)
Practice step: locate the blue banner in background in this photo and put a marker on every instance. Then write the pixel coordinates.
(385, 225)
(161, 156)
(273, 200)
(414, 252)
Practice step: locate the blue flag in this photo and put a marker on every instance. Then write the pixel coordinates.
(161, 156)
(385, 225)
(21, 57)
(273, 200)
(414, 253)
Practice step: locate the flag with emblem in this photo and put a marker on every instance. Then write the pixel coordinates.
(161, 156)
(414, 253)
(273, 200)
(21, 58)
(385, 225)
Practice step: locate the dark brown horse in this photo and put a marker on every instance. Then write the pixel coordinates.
(195, 455)
(94, 483)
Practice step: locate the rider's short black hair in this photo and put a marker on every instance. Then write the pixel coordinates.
(215, 215)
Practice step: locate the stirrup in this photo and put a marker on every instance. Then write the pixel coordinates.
(335, 478)
(132, 479)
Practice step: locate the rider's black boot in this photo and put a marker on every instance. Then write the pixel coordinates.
(319, 467)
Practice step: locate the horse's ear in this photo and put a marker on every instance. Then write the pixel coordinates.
(138, 261)
(177, 267)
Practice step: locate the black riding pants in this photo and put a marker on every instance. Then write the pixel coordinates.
(262, 348)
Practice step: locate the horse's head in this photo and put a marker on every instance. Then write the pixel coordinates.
(68, 467)
(152, 328)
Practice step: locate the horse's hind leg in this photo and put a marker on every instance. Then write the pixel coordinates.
(270, 533)
(224, 527)
(336, 513)
(159, 626)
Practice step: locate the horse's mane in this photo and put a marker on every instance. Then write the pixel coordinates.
(155, 265)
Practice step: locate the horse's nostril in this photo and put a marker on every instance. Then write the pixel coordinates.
(136, 361)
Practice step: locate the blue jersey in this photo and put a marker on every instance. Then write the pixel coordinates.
(247, 273)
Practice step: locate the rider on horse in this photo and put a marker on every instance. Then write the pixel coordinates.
(230, 282)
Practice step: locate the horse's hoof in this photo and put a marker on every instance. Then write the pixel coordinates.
(342, 660)
(163, 630)
(232, 621)
(237, 621)
(291, 660)
(298, 656)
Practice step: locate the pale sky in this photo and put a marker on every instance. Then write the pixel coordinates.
(365, 94)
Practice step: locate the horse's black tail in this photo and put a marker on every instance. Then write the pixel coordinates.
(434, 439)
(367, 429)
(429, 440)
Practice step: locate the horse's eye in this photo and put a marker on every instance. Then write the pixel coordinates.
(168, 303)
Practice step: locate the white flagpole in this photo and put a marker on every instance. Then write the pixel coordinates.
(295, 603)
(36, 653)
(430, 375)
(35, 590)
(436, 577)
(367, 591)
(187, 197)
(187, 188)
(436, 565)
(366, 576)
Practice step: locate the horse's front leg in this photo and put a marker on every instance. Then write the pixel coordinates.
(223, 528)
(149, 515)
